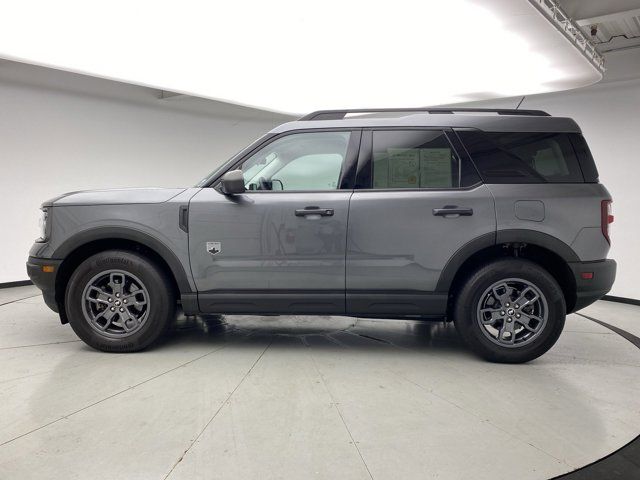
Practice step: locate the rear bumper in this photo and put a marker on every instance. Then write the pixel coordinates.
(589, 290)
(45, 281)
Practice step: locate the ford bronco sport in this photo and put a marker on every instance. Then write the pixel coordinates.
(492, 219)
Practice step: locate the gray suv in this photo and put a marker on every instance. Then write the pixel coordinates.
(492, 219)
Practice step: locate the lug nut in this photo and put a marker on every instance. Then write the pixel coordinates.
(109, 299)
(501, 312)
(113, 309)
(517, 306)
(121, 309)
(124, 301)
(117, 295)
(507, 304)
(517, 315)
(509, 319)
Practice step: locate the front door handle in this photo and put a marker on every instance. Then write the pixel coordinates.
(323, 212)
(452, 210)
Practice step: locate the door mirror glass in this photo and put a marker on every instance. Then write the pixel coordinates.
(233, 182)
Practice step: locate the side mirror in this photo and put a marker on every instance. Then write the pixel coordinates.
(233, 182)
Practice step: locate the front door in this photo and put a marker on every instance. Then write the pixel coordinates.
(280, 246)
(417, 202)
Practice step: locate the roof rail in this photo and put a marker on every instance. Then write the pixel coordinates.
(340, 114)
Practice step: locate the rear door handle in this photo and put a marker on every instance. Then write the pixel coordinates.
(452, 210)
(323, 212)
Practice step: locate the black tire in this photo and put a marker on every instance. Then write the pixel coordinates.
(160, 309)
(472, 293)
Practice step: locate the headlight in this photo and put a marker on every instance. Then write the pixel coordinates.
(44, 216)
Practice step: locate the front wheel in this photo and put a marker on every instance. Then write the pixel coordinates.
(510, 311)
(119, 301)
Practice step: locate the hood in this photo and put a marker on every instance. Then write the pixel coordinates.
(116, 196)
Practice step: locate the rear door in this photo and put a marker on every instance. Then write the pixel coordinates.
(418, 201)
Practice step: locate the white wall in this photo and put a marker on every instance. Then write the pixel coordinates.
(61, 132)
(609, 115)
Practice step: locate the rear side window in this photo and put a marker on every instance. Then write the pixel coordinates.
(523, 157)
(413, 159)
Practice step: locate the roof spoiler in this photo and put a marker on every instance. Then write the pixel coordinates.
(341, 114)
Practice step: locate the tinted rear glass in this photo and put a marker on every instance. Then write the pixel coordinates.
(523, 157)
(587, 164)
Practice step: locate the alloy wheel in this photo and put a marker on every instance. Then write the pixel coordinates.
(512, 312)
(115, 303)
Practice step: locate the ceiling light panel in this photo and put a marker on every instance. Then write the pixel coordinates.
(296, 56)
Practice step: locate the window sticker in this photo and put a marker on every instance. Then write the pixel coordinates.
(404, 167)
(413, 168)
(380, 171)
(435, 167)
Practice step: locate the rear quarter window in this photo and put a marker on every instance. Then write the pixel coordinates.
(588, 165)
(508, 157)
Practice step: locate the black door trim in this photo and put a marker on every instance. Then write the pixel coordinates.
(272, 302)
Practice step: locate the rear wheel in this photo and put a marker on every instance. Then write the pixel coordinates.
(119, 301)
(510, 311)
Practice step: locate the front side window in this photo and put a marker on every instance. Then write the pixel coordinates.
(412, 159)
(301, 161)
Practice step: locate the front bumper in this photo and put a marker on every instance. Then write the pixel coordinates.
(589, 290)
(44, 280)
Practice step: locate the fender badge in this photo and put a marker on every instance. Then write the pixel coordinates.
(214, 247)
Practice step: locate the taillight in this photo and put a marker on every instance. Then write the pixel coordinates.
(606, 218)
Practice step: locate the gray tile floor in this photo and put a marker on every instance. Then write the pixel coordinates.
(304, 397)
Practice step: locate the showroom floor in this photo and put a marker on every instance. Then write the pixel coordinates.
(304, 397)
